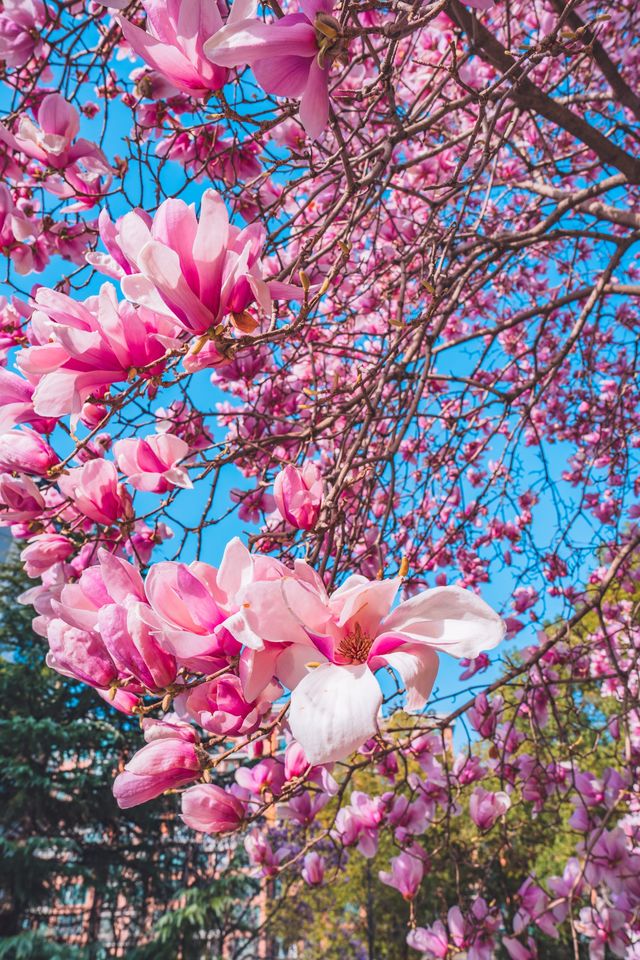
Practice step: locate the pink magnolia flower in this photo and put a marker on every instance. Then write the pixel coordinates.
(313, 869)
(260, 852)
(219, 706)
(21, 23)
(605, 928)
(15, 229)
(143, 539)
(81, 348)
(107, 600)
(50, 138)
(304, 808)
(326, 649)
(196, 270)
(170, 759)
(133, 645)
(267, 775)
(410, 818)
(80, 654)
(407, 872)
(290, 57)
(295, 761)
(520, 951)
(486, 807)
(95, 492)
(298, 495)
(17, 403)
(210, 809)
(51, 141)
(433, 941)
(359, 823)
(111, 581)
(151, 464)
(26, 450)
(20, 499)
(45, 550)
(174, 41)
(189, 605)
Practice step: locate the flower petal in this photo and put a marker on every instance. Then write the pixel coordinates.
(246, 41)
(314, 106)
(447, 618)
(334, 710)
(417, 665)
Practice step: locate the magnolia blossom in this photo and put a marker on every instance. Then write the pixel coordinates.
(290, 57)
(198, 270)
(95, 492)
(52, 141)
(79, 349)
(210, 809)
(326, 649)
(20, 25)
(189, 606)
(313, 869)
(152, 464)
(25, 449)
(17, 403)
(43, 551)
(432, 941)
(108, 601)
(20, 499)
(407, 872)
(486, 807)
(170, 759)
(80, 654)
(218, 706)
(15, 229)
(298, 495)
(173, 43)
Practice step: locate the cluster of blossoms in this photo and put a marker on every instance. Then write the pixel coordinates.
(424, 787)
(397, 334)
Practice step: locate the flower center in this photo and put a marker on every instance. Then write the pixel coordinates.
(355, 646)
(331, 44)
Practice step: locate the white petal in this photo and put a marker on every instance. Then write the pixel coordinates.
(417, 665)
(334, 710)
(447, 618)
(293, 662)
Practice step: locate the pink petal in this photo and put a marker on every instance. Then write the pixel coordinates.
(365, 602)
(314, 106)
(311, 8)
(250, 40)
(209, 247)
(162, 266)
(283, 76)
(256, 670)
(168, 60)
